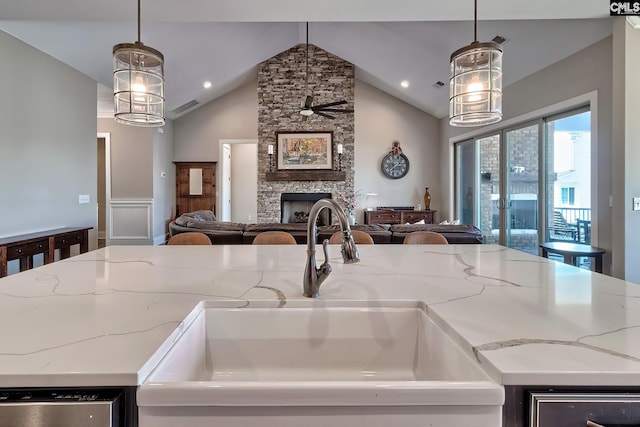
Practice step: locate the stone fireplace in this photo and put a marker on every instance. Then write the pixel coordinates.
(281, 91)
(295, 207)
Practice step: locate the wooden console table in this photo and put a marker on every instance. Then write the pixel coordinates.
(25, 246)
(388, 216)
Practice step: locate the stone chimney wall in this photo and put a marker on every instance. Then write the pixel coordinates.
(281, 93)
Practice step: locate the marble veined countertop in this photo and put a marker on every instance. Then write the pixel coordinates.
(98, 318)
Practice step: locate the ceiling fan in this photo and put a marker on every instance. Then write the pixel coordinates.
(308, 109)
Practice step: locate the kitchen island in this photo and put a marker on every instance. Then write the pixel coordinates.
(98, 319)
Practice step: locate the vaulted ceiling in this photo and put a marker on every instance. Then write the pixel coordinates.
(223, 41)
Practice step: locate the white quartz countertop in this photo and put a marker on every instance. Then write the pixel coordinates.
(97, 319)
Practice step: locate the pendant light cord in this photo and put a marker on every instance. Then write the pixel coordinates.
(475, 20)
(138, 21)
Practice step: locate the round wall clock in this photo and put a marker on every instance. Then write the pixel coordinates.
(395, 166)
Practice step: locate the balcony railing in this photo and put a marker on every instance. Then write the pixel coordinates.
(571, 224)
(572, 215)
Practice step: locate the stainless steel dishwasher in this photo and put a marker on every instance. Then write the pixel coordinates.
(64, 408)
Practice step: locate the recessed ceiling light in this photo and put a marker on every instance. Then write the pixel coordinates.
(207, 84)
(404, 84)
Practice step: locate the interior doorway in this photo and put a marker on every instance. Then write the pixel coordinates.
(104, 186)
(225, 198)
(238, 180)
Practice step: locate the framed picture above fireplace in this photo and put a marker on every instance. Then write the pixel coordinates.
(304, 150)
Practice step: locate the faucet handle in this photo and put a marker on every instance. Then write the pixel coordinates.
(325, 268)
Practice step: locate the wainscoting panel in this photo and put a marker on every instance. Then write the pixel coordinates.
(130, 222)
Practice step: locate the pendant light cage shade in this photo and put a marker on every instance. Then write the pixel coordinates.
(475, 96)
(138, 85)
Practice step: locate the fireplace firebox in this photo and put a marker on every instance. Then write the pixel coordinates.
(295, 207)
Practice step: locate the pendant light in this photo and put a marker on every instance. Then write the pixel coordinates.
(476, 82)
(138, 83)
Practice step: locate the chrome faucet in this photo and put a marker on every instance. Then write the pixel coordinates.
(313, 277)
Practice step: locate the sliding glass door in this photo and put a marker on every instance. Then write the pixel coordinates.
(466, 159)
(521, 187)
(500, 176)
(490, 205)
(478, 185)
(568, 205)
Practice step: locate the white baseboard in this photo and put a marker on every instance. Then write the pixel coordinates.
(160, 240)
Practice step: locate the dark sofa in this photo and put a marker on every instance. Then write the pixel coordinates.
(204, 221)
(296, 229)
(379, 232)
(462, 233)
(235, 233)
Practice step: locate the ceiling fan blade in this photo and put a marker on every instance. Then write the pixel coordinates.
(324, 115)
(332, 110)
(330, 104)
(308, 102)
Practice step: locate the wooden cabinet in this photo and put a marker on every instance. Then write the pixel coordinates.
(195, 186)
(429, 217)
(25, 246)
(28, 249)
(382, 217)
(64, 240)
(399, 217)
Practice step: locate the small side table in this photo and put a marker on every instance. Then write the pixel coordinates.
(571, 251)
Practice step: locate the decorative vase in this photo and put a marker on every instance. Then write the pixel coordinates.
(352, 218)
(427, 199)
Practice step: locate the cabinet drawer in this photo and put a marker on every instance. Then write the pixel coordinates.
(412, 217)
(390, 217)
(27, 249)
(575, 409)
(66, 240)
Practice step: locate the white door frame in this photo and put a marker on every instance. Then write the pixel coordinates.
(225, 181)
(107, 180)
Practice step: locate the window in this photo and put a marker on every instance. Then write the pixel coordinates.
(568, 196)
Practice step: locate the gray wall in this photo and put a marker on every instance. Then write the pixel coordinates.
(626, 150)
(381, 119)
(233, 116)
(48, 147)
(586, 71)
(131, 160)
(164, 182)
(139, 156)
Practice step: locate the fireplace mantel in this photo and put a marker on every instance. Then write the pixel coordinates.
(305, 175)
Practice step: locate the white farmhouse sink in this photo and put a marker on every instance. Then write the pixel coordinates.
(315, 360)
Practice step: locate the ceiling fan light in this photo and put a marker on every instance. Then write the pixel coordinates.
(306, 112)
